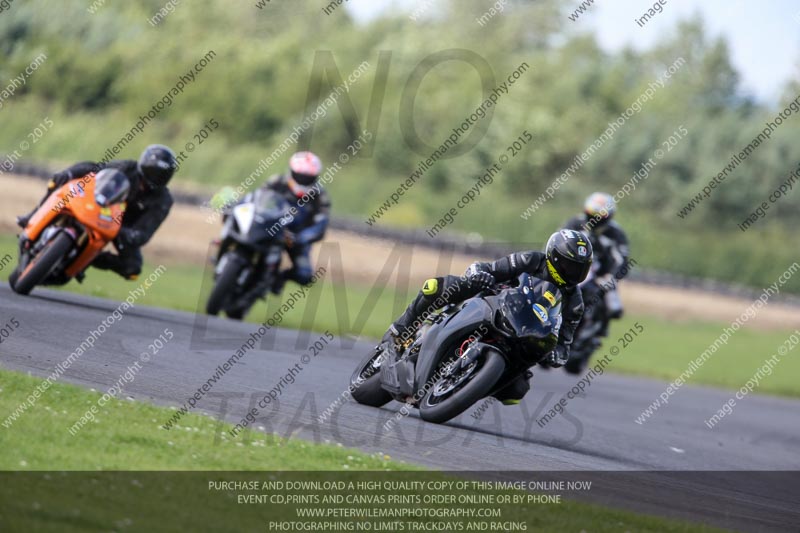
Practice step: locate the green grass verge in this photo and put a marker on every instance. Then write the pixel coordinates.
(663, 351)
(128, 436)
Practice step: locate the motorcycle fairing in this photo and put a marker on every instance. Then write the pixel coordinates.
(76, 199)
(464, 323)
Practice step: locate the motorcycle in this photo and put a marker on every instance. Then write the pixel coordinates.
(587, 335)
(69, 230)
(600, 300)
(250, 247)
(465, 352)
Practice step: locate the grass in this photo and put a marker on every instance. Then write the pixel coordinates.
(128, 436)
(664, 350)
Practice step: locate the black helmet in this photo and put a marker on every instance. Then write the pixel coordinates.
(157, 164)
(569, 257)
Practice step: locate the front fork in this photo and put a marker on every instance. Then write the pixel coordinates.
(256, 279)
(29, 248)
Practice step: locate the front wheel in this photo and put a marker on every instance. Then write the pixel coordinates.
(365, 383)
(225, 285)
(42, 265)
(12, 279)
(458, 390)
(579, 358)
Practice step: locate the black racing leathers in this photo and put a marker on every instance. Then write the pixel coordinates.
(612, 263)
(438, 292)
(535, 264)
(609, 243)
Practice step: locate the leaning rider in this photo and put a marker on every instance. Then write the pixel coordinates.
(565, 262)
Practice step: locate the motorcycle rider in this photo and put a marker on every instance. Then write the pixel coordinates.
(148, 204)
(611, 253)
(306, 225)
(565, 262)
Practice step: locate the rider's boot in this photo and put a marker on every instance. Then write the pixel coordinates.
(394, 341)
(279, 282)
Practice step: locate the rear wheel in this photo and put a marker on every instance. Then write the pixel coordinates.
(235, 314)
(42, 264)
(458, 390)
(225, 285)
(365, 384)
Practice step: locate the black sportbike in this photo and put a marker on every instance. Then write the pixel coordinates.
(465, 352)
(251, 246)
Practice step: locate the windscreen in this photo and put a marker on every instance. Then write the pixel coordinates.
(520, 316)
(532, 309)
(111, 187)
(269, 204)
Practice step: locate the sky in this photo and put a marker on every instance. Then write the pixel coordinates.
(764, 37)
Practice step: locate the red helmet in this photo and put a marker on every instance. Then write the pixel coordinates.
(305, 168)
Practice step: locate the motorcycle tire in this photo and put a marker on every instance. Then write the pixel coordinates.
(581, 354)
(477, 387)
(40, 266)
(575, 365)
(235, 314)
(224, 286)
(369, 391)
(12, 279)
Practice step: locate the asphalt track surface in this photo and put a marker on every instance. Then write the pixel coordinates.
(597, 434)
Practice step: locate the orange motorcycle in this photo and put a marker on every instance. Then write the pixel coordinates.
(70, 229)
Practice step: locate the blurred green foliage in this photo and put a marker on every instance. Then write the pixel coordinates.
(105, 70)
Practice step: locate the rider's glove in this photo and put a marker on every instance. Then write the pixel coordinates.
(59, 179)
(130, 238)
(124, 238)
(479, 280)
(558, 357)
